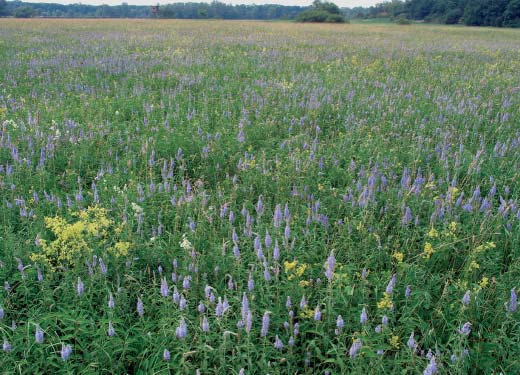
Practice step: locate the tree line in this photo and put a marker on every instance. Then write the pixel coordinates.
(469, 12)
(214, 10)
(496, 13)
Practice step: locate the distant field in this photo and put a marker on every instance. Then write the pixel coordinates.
(258, 198)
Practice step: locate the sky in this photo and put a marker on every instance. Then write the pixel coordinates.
(341, 3)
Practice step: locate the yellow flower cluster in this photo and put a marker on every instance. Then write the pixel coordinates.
(294, 270)
(120, 249)
(484, 282)
(433, 233)
(485, 246)
(394, 342)
(398, 256)
(307, 313)
(75, 241)
(386, 302)
(428, 250)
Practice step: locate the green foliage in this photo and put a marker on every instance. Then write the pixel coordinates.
(319, 16)
(470, 12)
(3, 8)
(24, 12)
(403, 21)
(512, 14)
(321, 12)
(453, 16)
(214, 10)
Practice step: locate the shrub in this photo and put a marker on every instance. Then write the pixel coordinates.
(403, 21)
(321, 12)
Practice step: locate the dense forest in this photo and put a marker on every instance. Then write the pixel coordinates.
(469, 12)
(215, 10)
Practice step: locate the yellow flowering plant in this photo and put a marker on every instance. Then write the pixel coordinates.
(75, 240)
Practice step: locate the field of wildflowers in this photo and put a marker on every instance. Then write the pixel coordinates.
(210, 197)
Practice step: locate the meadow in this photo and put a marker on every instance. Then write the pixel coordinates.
(213, 197)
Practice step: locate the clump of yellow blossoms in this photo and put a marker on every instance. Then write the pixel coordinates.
(294, 270)
(428, 250)
(394, 342)
(386, 302)
(74, 242)
(484, 282)
(485, 246)
(307, 312)
(398, 256)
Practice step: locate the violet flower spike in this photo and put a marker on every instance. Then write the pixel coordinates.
(278, 344)
(513, 304)
(166, 355)
(205, 324)
(39, 335)
(66, 351)
(431, 369)
(80, 287)
(111, 332)
(391, 284)
(6, 347)
(317, 314)
(330, 266)
(466, 299)
(364, 316)
(465, 329)
(411, 343)
(111, 303)
(182, 330)
(355, 348)
(164, 287)
(140, 307)
(265, 325)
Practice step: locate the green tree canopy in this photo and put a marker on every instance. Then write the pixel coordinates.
(24, 12)
(322, 12)
(3, 8)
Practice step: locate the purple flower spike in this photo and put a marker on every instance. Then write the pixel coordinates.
(80, 287)
(364, 316)
(39, 335)
(465, 329)
(182, 330)
(265, 325)
(66, 351)
(355, 348)
(6, 347)
(164, 287)
(111, 332)
(466, 299)
(140, 307)
(205, 324)
(166, 355)
(317, 314)
(330, 266)
(278, 344)
(412, 344)
(512, 305)
(391, 284)
(431, 369)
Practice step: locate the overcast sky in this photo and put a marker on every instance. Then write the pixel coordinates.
(341, 3)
